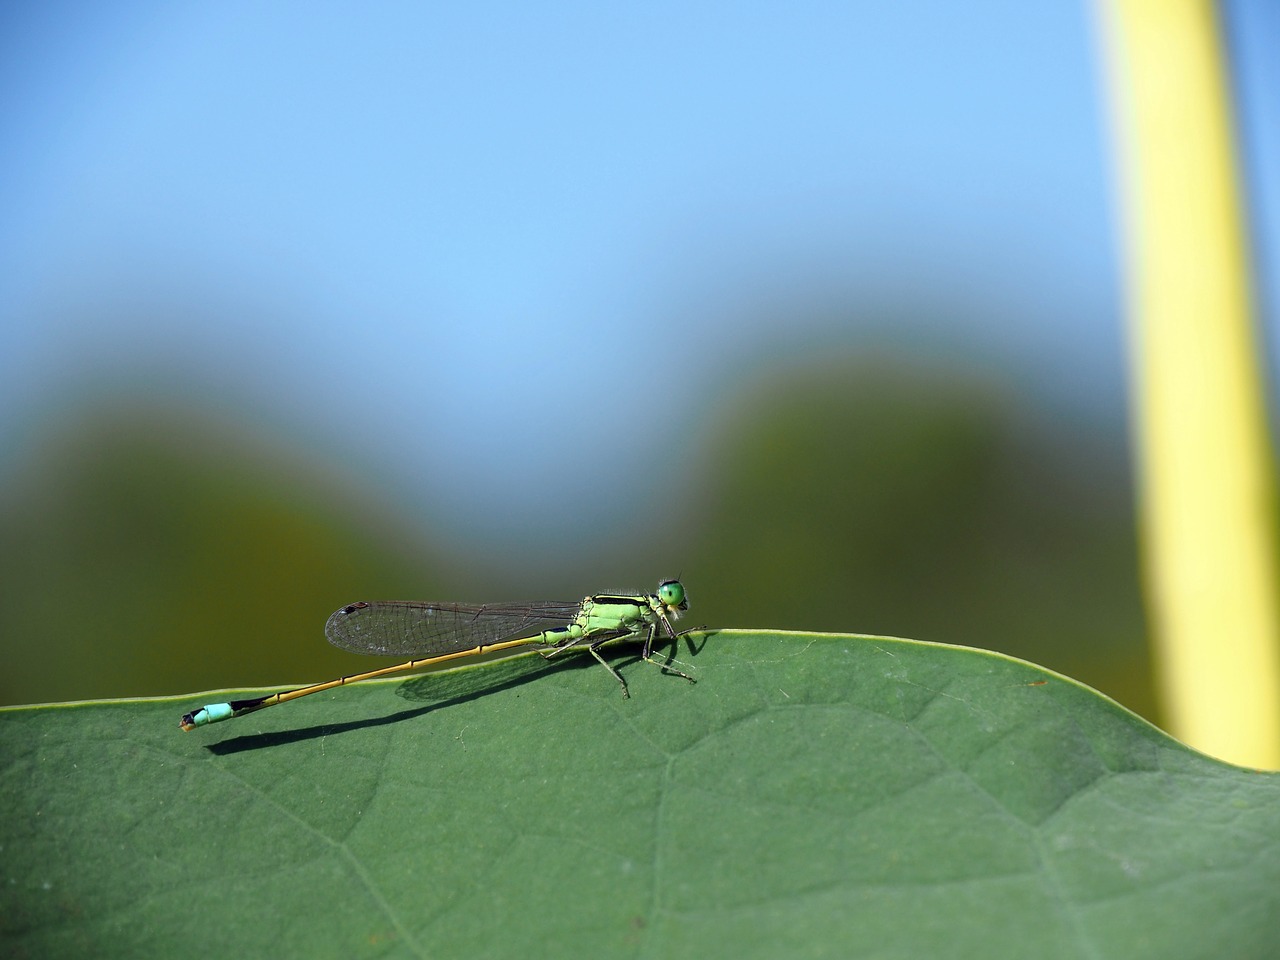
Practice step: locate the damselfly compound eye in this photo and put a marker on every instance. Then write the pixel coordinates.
(671, 593)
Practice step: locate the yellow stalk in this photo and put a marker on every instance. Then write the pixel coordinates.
(1205, 463)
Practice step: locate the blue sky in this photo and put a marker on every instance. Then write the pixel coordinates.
(442, 245)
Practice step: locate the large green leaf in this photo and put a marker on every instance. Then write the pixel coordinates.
(813, 795)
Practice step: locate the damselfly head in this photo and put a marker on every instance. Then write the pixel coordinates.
(672, 596)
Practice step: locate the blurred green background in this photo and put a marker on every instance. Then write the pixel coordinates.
(153, 548)
(817, 307)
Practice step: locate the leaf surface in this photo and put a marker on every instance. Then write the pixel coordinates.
(813, 795)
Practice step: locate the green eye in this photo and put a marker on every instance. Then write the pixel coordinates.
(671, 593)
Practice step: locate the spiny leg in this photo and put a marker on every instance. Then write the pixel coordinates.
(647, 652)
(626, 694)
(592, 645)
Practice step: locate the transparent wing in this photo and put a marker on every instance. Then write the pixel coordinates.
(418, 629)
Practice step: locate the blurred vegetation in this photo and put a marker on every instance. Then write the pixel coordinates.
(150, 551)
(882, 498)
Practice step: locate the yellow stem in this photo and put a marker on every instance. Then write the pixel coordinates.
(1205, 463)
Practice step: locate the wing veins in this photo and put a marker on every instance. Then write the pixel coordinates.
(422, 629)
